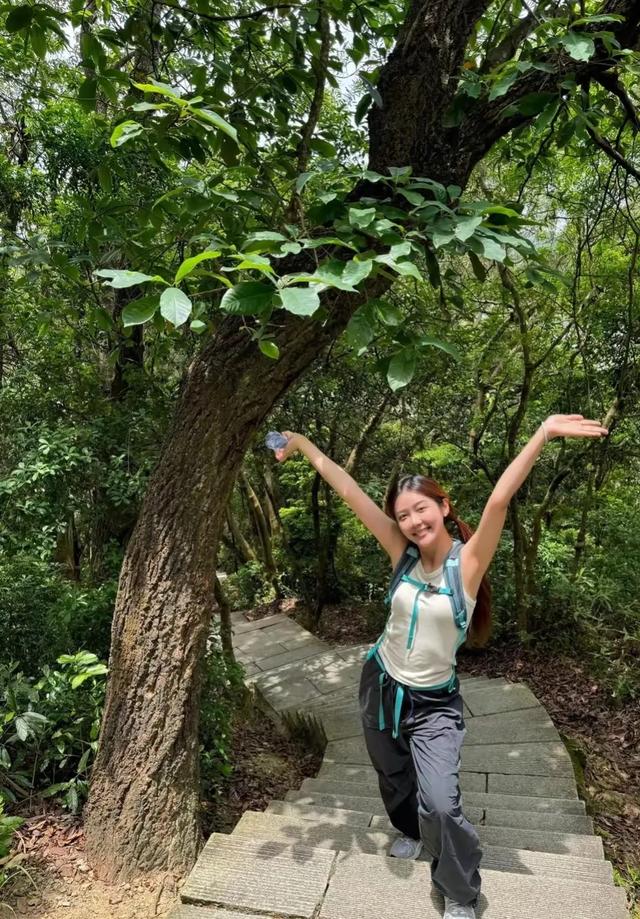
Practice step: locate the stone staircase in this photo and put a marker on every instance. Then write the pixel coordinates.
(321, 853)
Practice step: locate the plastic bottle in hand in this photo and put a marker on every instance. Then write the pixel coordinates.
(275, 441)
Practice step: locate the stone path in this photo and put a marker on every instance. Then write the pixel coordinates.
(321, 853)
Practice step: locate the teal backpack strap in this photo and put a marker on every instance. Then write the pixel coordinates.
(453, 580)
(408, 559)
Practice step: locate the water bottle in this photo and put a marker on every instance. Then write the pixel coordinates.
(275, 441)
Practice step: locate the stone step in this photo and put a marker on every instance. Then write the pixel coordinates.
(365, 885)
(259, 824)
(338, 816)
(478, 816)
(261, 875)
(373, 804)
(368, 885)
(496, 783)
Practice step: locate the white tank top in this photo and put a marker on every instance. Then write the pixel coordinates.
(429, 662)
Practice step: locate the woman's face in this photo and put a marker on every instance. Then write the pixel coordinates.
(420, 519)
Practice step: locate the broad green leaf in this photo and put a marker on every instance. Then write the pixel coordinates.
(269, 349)
(503, 85)
(323, 147)
(401, 368)
(361, 217)
(478, 268)
(387, 313)
(408, 269)
(331, 273)
(301, 301)
(217, 121)
(22, 728)
(362, 107)
(140, 311)
(413, 197)
(175, 306)
(120, 279)
(359, 332)
(581, 47)
(442, 345)
(190, 263)
(162, 89)
(356, 271)
(124, 132)
(197, 326)
(247, 298)
(264, 240)
(19, 17)
(302, 180)
(87, 94)
(104, 178)
(491, 248)
(466, 227)
(442, 236)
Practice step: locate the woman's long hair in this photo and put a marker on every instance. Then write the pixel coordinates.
(480, 627)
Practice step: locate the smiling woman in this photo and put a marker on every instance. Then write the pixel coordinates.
(410, 703)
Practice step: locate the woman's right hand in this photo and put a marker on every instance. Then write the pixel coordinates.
(293, 445)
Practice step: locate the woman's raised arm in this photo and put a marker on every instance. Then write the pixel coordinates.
(477, 554)
(385, 530)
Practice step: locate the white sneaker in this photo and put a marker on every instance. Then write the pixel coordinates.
(453, 910)
(406, 847)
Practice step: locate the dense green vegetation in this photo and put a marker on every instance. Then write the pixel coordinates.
(165, 171)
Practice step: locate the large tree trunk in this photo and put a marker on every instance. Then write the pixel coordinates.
(143, 808)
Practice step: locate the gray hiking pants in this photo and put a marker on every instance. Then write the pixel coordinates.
(418, 776)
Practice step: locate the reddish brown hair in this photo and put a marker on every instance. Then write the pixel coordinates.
(480, 627)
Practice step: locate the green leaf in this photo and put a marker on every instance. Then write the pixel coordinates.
(269, 349)
(466, 227)
(581, 47)
(408, 269)
(301, 301)
(123, 278)
(175, 305)
(197, 326)
(140, 311)
(531, 104)
(401, 368)
(124, 132)
(387, 313)
(163, 89)
(362, 107)
(22, 728)
(442, 345)
(478, 268)
(491, 248)
(87, 94)
(323, 147)
(189, 264)
(356, 271)
(264, 240)
(19, 17)
(104, 178)
(361, 217)
(38, 40)
(331, 274)
(216, 120)
(302, 180)
(248, 298)
(359, 332)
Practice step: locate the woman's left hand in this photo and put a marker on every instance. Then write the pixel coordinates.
(573, 426)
